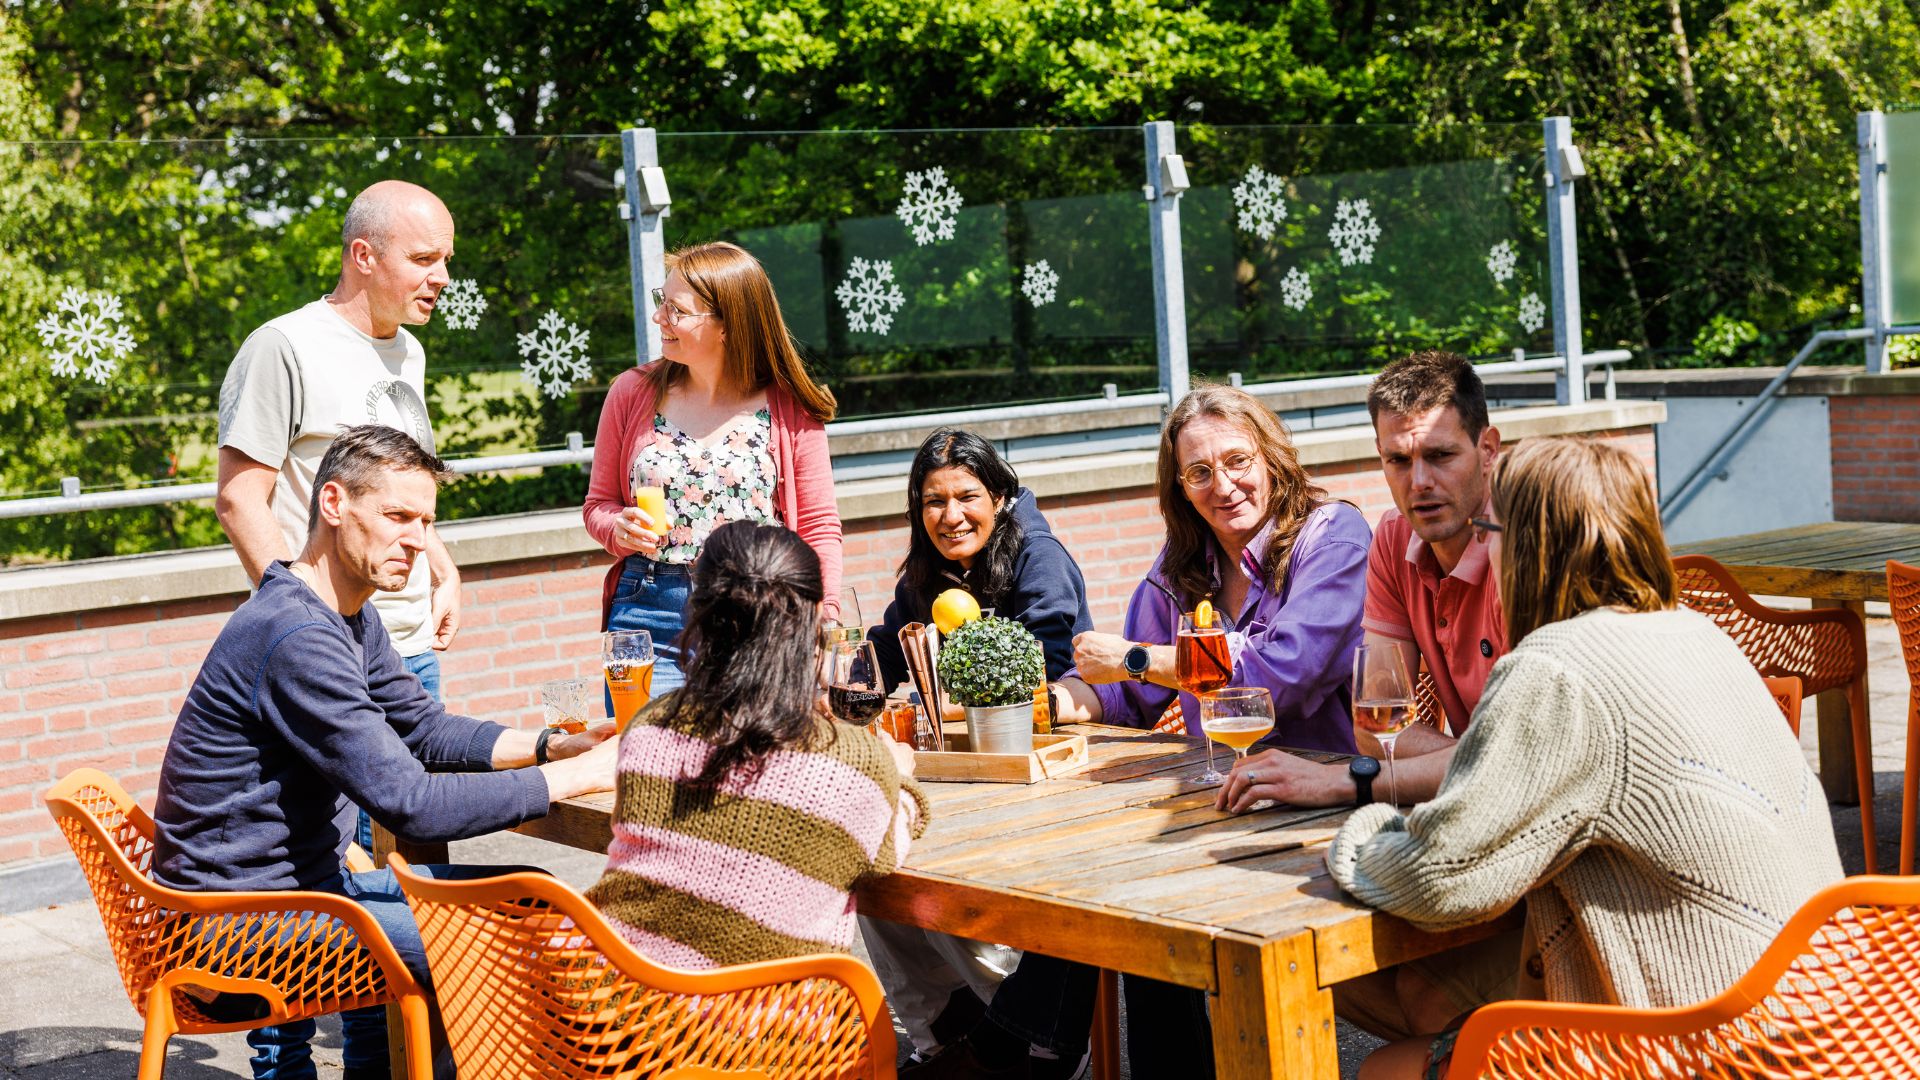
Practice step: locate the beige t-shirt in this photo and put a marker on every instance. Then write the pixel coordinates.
(295, 384)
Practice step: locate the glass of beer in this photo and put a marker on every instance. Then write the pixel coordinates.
(1382, 701)
(855, 690)
(627, 657)
(1204, 665)
(1238, 717)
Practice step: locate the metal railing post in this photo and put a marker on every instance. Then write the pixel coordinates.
(1876, 278)
(1166, 179)
(1563, 251)
(646, 206)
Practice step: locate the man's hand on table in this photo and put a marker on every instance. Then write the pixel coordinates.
(1285, 778)
(580, 764)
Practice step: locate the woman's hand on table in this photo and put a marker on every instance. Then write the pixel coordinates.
(633, 533)
(1100, 658)
(902, 754)
(594, 768)
(562, 747)
(1285, 778)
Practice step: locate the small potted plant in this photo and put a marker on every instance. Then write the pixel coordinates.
(991, 667)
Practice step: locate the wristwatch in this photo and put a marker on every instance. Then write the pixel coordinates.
(1363, 770)
(1136, 662)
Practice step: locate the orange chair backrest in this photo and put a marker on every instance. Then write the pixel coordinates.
(1903, 596)
(533, 981)
(1786, 694)
(305, 962)
(1826, 648)
(1836, 994)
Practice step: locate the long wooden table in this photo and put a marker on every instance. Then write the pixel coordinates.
(1834, 564)
(1127, 866)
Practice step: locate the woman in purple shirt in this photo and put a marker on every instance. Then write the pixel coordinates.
(1284, 566)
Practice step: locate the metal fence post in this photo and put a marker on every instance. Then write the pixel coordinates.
(1876, 279)
(1166, 179)
(647, 204)
(1563, 251)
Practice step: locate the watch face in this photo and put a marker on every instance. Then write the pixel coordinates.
(1135, 661)
(1364, 767)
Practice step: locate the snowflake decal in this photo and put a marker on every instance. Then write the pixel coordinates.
(1260, 198)
(930, 207)
(870, 296)
(1533, 313)
(73, 334)
(1039, 283)
(555, 355)
(1296, 289)
(464, 304)
(1501, 259)
(1354, 231)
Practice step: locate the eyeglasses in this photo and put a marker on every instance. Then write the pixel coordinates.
(1485, 527)
(674, 315)
(1199, 475)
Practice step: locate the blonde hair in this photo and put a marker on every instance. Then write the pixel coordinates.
(758, 350)
(1291, 496)
(1580, 530)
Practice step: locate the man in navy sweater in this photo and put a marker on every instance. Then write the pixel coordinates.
(303, 710)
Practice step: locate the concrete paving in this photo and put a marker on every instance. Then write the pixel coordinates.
(64, 1014)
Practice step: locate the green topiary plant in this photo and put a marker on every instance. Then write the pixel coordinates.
(991, 662)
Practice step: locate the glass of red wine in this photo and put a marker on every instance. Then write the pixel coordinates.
(855, 692)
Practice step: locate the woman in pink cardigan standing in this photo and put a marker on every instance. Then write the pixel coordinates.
(728, 424)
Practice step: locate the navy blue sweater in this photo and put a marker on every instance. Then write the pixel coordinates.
(1048, 597)
(298, 713)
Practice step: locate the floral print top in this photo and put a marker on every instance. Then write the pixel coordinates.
(708, 486)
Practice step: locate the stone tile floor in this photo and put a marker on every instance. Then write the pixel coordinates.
(65, 1016)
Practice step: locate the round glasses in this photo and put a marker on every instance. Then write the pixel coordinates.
(674, 315)
(1199, 475)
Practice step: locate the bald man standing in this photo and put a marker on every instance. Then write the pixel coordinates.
(297, 382)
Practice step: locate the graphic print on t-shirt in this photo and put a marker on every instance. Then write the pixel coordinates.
(395, 404)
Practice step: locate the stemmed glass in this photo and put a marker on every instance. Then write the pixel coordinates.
(627, 658)
(1382, 700)
(848, 626)
(1204, 665)
(855, 692)
(1237, 716)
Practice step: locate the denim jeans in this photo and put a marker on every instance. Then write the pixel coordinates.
(281, 1051)
(652, 596)
(1049, 1002)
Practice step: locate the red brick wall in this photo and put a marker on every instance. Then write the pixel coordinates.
(1876, 457)
(101, 688)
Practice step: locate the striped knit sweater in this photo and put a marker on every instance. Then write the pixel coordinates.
(1630, 776)
(762, 867)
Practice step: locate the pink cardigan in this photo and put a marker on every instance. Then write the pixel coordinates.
(802, 487)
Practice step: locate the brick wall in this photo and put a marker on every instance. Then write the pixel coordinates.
(101, 688)
(1876, 457)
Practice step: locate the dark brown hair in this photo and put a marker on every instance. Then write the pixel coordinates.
(1291, 496)
(359, 456)
(753, 632)
(1424, 381)
(758, 350)
(1581, 530)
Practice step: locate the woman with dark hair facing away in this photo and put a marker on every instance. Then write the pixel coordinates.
(743, 815)
(728, 426)
(1626, 772)
(971, 526)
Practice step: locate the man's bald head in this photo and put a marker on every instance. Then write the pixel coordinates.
(377, 211)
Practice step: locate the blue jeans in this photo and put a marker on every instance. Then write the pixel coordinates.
(652, 596)
(281, 1051)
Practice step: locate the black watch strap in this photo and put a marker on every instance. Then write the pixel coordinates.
(540, 745)
(1363, 771)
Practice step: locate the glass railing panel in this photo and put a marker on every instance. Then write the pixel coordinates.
(1903, 215)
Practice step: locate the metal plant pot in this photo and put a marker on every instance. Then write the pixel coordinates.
(1000, 729)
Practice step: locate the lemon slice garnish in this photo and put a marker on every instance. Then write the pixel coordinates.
(1203, 614)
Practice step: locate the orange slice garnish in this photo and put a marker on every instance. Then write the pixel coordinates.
(1203, 615)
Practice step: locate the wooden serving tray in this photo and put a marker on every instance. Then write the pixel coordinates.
(1053, 755)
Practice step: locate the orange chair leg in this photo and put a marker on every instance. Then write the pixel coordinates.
(160, 1025)
(1909, 792)
(418, 1026)
(1106, 1028)
(1863, 763)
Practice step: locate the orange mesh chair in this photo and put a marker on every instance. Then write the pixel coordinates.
(533, 981)
(1903, 595)
(306, 954)
(1826, 648)
(1836, 994)
(1786, 694)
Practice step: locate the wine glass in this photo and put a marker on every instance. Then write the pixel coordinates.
(855, 692)
(848, 625)
(1204, 665)
(1382, 700)
(626, 656)
(1238, 717)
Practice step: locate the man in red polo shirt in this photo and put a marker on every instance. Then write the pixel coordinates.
(1430, 589)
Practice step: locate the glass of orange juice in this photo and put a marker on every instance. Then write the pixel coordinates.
(627, 657)
(652, 501)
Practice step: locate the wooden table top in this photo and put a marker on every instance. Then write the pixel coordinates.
(1837, 560)
(1124, 865)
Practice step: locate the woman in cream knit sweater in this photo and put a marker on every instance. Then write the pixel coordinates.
(1626, 773)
